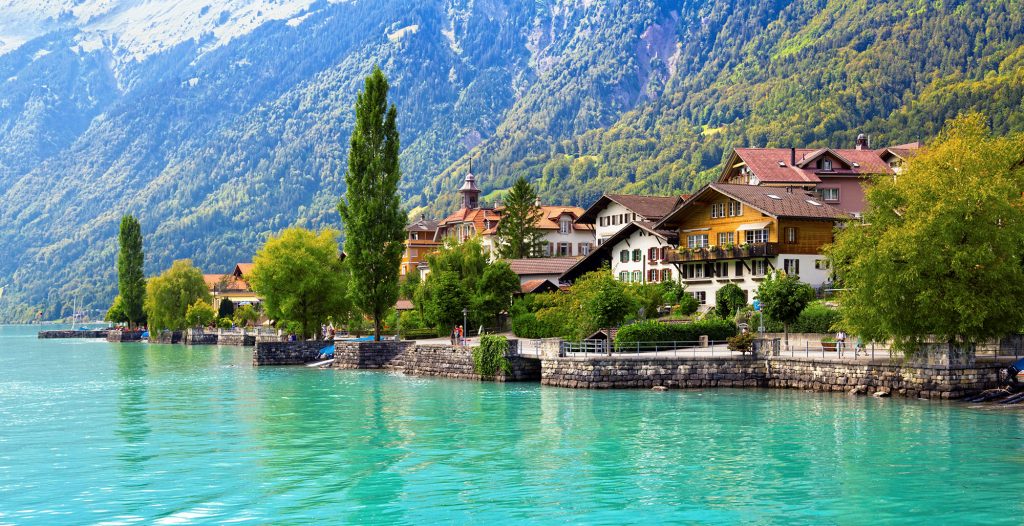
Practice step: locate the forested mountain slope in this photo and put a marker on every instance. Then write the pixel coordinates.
(218, 139)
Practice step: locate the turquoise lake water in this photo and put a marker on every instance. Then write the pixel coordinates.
(92, 432)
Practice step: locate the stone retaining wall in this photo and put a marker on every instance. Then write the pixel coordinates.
(915, 381)
(899, 379)
(631, 372)
(72, 334)
(287, 353)
(445, 361)
(199, 337)
(234, 338)
(166, 337)
(124, 336)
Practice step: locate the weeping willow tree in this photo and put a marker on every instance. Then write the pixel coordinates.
(940, 253)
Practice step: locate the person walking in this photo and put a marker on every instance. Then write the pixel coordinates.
(454, 334)
(840, 342)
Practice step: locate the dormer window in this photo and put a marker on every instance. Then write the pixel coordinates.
(565, 225)
(826, 164)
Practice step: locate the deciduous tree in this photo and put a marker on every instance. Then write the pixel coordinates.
(301, 279)
(783, 298)
(372, 216)
(169, 295)
(199, 314)
(939, 254)
(495, 289)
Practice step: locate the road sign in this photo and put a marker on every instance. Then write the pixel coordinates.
(757, 305)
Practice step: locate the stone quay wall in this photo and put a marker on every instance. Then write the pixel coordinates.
(124, 336)
(166, 337)
(632, 372)
(910, 380)
(236, 338)
(444, 361)
(199, 337)
(72, 334)
(287, 353)
(894, 377)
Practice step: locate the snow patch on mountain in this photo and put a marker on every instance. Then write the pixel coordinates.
(135, 29)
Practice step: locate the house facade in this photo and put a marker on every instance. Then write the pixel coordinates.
(612, 212)
(232, 287)
(561, 236)
(419, 243)
(738, 233)
(637, 253)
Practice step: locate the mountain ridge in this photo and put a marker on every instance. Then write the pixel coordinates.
(215, 146)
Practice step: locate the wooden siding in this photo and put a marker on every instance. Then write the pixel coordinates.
(810, 236)
(699, 216)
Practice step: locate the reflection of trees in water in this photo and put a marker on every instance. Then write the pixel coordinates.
(132, 426)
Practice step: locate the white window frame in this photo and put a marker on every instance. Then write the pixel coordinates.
(565, 225)
(735, 208)
(791, 266)
(726, 238)
(758, 267)
(717, 210)
(697, 241)
(757, 236)
(701, 296)
(638, 276)
(827, 194)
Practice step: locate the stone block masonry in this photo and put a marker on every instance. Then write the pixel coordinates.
(638, 372)
(910, 380)
(445, 361)
(287, 353)
(124, 336)
(72, 334)
(166, 337)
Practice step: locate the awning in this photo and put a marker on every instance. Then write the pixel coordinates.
(702, 229)
(754, 226)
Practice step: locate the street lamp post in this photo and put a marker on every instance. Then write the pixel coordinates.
(465, 312)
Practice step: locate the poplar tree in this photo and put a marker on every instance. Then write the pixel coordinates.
(131, 280)
(372, 217)
(518, 236)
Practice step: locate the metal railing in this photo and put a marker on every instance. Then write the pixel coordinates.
(666, 349)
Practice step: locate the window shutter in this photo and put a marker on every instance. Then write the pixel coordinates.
(739, 269)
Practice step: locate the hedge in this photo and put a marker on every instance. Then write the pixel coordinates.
(816, 318)
(527, 325)
(417, 334)
(653, 331)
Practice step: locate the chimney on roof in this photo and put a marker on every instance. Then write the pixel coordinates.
(792, 156)
(862, 142)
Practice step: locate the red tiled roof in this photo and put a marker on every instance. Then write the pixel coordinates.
(534, 266)
(551, 214)
(243, 269)
(480, 217)
(649, 207)
(403, 305)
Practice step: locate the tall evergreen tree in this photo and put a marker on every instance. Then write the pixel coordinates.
(373, 220)
(518, 236)
(131, 279)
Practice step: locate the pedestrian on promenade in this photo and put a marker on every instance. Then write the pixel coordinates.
(840, 342)
(454, 334)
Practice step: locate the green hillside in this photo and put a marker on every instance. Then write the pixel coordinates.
(214, 149)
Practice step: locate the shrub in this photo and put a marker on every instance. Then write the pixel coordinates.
(817, 317)
(741, 343)
(688, 304)
(418, 333)
(489, 358)
(224, 323)
(715, 329)
(729, 298)
(411, 319)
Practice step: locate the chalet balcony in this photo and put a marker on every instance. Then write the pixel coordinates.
(755, 250)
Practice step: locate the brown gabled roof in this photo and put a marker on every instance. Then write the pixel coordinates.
(403, 305)
(423, 225)
(772, 201)
(794, 166)
(537, 285)
(243, 269)
(648, 207)
(536, 266)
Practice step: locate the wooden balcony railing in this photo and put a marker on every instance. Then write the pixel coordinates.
(756, 250)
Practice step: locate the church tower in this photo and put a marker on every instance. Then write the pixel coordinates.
(470, 192)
